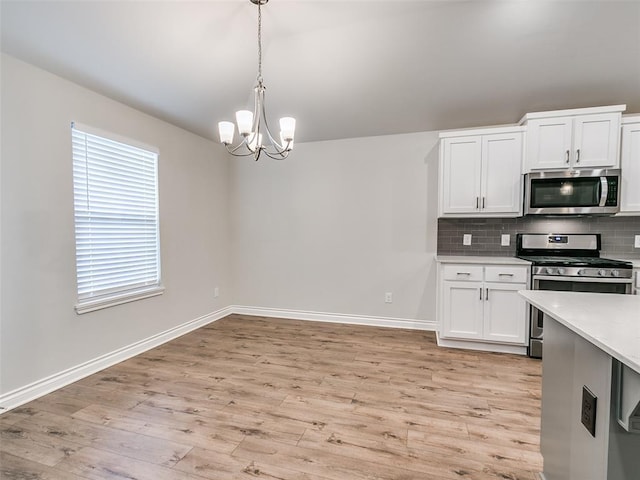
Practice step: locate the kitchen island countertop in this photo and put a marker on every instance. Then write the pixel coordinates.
(610, 322)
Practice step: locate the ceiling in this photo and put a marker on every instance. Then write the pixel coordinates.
(342, 68)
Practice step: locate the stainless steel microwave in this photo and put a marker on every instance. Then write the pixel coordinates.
(572, 192)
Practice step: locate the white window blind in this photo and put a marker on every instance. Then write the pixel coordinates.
(115, 189)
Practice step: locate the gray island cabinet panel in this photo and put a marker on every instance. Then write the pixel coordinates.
(584, 352)
(569, 364)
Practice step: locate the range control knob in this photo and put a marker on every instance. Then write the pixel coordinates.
(549, 271)
(615, 273)
(561, 271)
(602, 273)
(582, 271)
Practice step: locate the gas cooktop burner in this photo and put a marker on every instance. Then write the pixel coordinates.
(570, 255)
(594, 262)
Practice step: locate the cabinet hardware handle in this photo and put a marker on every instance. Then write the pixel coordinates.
(578, 156)
(567, 157)
(477, 202)
(480, 293)
(505, 274)
(483, 202)
(486, 294)
(463, 273)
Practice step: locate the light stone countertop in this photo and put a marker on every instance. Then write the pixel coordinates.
(482, 260)
(610, 322)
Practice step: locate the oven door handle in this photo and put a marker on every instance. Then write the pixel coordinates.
(604, 191)
(536, 278)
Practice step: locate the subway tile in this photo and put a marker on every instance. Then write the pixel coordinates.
(617, 233)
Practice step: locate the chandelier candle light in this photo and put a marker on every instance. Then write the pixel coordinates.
(253, 126)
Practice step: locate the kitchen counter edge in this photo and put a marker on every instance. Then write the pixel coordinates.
(481, 260)
(610, 322)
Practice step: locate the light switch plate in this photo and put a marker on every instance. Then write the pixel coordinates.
(466, 239)
(636, 243)
(505, 240)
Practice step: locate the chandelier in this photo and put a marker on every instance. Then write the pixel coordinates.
(252, 126)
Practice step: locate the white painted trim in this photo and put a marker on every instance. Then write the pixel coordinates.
(46, 385)
(630, 119)
(481, 131)
(86, 306)
(481, 346)
(30, 392)
(572, 112)
(116, 137)
(336, 318)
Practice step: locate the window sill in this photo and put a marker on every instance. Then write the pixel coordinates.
(106, 302)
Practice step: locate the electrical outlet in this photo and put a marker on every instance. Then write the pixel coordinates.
(216, 292)
(505, 240)
(466, 239)
(388, 297)
(636, 243)
(588, 413)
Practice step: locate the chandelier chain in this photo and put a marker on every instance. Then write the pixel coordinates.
(259, 44)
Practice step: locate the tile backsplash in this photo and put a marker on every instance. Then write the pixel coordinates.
(617, 233)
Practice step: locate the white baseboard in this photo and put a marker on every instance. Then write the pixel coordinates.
(336, 318)
(30, 392)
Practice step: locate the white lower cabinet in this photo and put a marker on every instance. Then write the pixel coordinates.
(504, 313)
(479, 307)
(462, 316)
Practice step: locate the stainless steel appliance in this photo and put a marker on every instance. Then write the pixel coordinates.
(569, 262)
(572, 192)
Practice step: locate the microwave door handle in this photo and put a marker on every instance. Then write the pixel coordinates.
(604, 191)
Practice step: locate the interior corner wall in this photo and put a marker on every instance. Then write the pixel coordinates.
(40, 333)
(337, 225)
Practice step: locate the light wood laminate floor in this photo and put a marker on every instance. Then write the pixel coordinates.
(255, 398)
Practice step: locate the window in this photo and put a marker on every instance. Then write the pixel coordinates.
(115, 190)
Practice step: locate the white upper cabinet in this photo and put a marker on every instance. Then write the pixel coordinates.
(461, 174)
(480, 173)
(596, 140)
(567, 139)
(630, 165)
(501, 173)
(549, 143)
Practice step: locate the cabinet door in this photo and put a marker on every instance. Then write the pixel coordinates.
(630, 165)
(461, 174)
(505, 313)
(501, 173)
(549, 143)
(595, 140)
(462, 310)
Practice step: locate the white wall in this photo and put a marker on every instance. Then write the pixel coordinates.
(329, 230)
(338, 224)
(40, 334)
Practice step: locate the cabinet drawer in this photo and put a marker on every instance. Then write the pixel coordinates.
(463, 272)
(506, 274)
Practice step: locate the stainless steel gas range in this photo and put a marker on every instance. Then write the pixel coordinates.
(569, 262)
